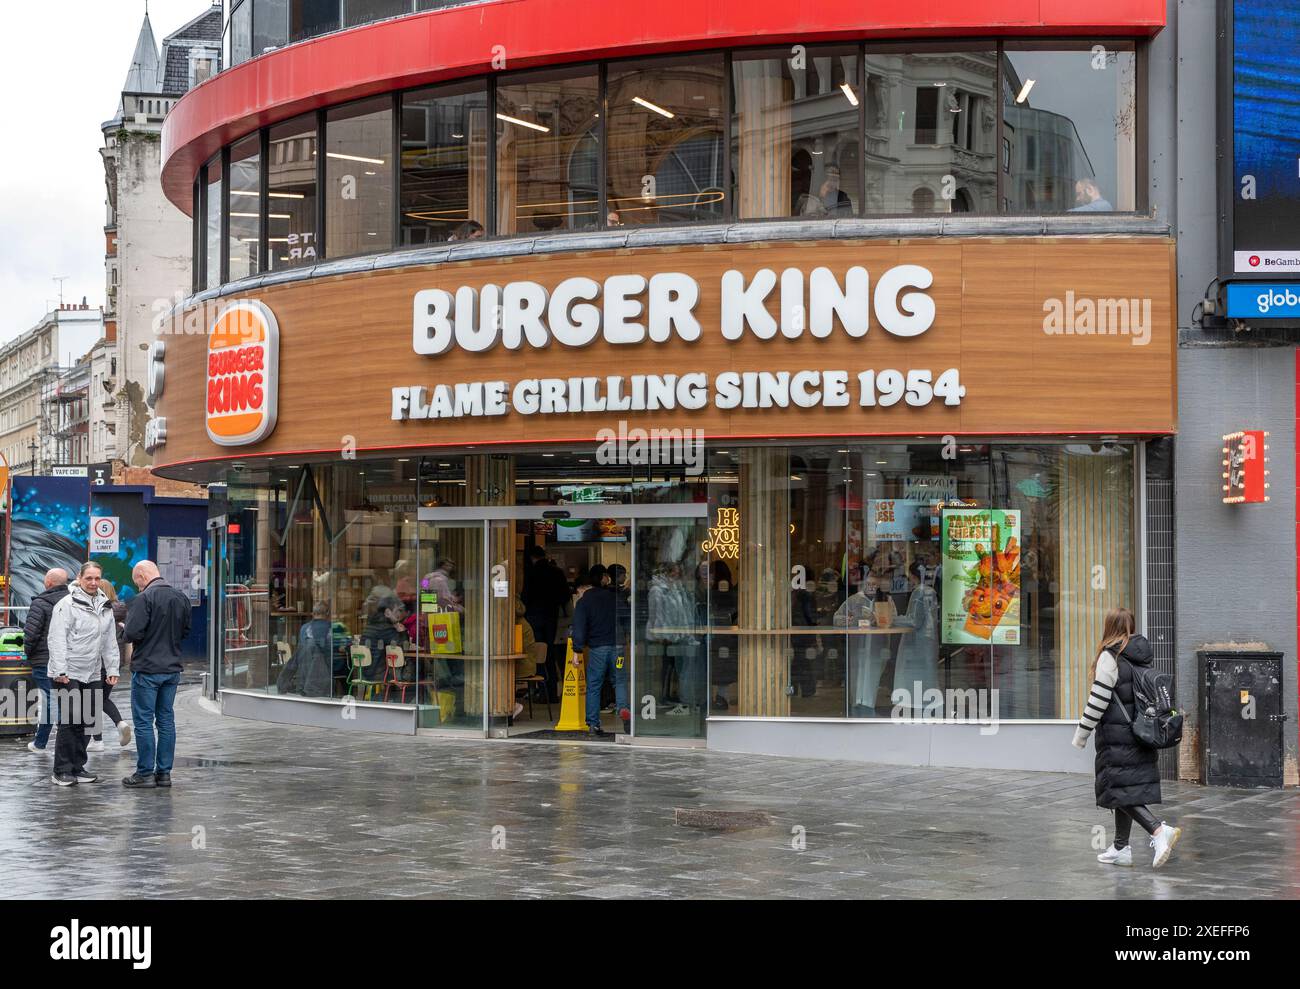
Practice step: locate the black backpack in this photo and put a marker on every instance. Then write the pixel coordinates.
(1156, 723)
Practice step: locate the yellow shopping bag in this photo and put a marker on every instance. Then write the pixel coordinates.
(444, 632)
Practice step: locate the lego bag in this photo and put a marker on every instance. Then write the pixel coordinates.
(444, 632)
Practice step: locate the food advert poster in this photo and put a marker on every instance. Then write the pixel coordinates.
(899, 519)
(981, 576)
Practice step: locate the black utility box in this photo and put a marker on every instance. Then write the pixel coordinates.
(1241, 718)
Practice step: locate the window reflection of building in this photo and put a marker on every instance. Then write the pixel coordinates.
(931, 132)
(664, 131)
(817, 132)
(245, 207)
(1068, 117)
(541, 120)
(359, 178)
(444, 162)
(291, 192)
(794, 134)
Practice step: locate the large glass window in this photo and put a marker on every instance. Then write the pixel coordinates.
(291, 194)
(1069, 119)
(308, 18)
(212, 223)
(359, 178)
(931, 131)
(364, 11)
(548, 151)
(665, 134)
(914, 584)
(241, 32)
(795, 143)
(245, 208)
(444, 164)
(271, 25)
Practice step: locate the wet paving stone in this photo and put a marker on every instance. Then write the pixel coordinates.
(278, 811)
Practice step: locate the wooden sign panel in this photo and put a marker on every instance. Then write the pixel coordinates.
(1020, 337)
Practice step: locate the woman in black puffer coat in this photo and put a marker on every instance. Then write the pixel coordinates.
(1128, 772)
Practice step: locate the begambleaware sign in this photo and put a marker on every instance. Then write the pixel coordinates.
(243, 374)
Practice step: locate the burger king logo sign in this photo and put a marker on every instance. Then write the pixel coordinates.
(243, 374)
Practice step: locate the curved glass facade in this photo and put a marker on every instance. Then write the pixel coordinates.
(809, 132)
(255, 27)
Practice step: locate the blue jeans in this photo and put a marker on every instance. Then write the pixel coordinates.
(152, 698)
(601, 662)
(46, 723)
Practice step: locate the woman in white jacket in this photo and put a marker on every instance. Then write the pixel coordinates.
(82, 641)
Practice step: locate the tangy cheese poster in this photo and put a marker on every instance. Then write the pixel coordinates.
(981, 576)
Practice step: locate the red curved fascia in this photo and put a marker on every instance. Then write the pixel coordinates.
(462, 41)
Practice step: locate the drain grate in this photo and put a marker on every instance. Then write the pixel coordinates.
(721, 820)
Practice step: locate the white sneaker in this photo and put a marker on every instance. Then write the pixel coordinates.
(95, 745)
(678, 711)
(1163, 841)
(519, 709)
(1117, 856)
(33, 747)
(123, 733)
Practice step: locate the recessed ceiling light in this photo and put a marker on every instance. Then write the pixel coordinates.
(1024, 91)
(848, 92)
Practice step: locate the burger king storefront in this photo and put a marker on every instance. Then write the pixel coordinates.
(859, 498)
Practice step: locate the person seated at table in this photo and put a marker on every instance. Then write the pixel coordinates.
(385, 626)
(441, 581)
(314, 657)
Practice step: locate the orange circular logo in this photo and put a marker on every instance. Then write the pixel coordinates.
(243, 374)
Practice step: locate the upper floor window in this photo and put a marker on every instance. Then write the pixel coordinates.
(794, 133)
(444, 164)
(548, 149)
(810, 132)
(359, 178)
(246, 207)
(212, 224)
(665, 135)
(931, 130)
(1069, 117)
(291, 194)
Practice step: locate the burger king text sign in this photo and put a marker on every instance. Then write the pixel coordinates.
(243, 374)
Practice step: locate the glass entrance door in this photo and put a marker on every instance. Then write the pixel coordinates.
(499, 595)
(447, 624)
(672, 585)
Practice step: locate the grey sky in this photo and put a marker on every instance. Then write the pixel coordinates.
(63, 66)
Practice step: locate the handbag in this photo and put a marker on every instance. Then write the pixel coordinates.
(1156, 723)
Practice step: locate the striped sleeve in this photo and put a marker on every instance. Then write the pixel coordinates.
(1098, 698)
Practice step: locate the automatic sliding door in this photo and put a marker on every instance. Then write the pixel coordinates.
(448, 632)
(671, 628)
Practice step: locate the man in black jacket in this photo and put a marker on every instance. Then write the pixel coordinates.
(36, 632)
(156, 624)
(595, 618)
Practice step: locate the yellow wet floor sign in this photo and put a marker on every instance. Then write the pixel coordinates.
(573, 700)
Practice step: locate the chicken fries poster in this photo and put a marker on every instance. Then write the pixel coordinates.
(981, 576)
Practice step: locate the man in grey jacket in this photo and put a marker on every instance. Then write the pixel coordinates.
(82, 638)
